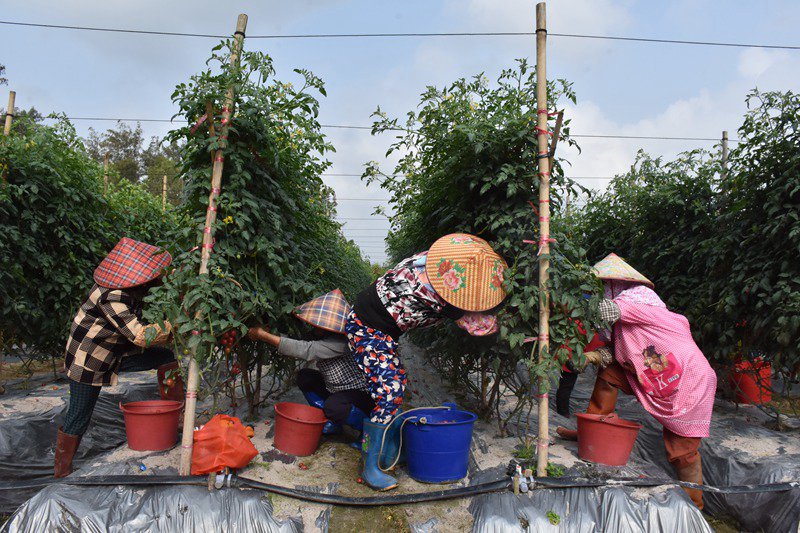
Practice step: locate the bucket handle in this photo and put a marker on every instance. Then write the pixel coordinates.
(405, 418)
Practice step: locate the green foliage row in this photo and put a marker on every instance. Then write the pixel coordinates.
(468, 163)
(276, 241)
(56, 225)
(721, 248)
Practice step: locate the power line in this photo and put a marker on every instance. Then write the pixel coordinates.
(577, 136)
(405, 34)
(363, 218)
(364, 199)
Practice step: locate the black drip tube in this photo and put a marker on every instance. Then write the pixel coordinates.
(397, 499)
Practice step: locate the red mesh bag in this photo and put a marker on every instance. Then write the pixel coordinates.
(222, 442)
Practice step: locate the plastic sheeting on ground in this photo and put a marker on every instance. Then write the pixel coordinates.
(740, 451)
(166, 509)
(163, 509)
(28, 436)
(585, 510)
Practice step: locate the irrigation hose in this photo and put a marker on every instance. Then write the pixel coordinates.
(397, 499)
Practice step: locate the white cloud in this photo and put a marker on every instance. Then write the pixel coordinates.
(754, 62)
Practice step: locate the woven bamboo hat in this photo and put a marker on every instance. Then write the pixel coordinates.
(613, 267)
(131, 263)
(466, 272)
(328, 312)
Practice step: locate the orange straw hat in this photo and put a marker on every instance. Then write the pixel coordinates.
(613, 267)
(328, 312)
(466, 272)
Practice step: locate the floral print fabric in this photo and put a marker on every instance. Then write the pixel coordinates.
(407, 296)
(375, 353)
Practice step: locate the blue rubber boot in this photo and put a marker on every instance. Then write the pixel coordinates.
(370, 449)
(356, 421)
(356, 418)
(391, 445)
(315, 400)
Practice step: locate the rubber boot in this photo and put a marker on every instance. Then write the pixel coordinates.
(693, 473)
(356, 418)
(565, 386)
(315, 400)
(602, 402)
(66, 446)
(176, 392)
(370, 449)
(356, 421)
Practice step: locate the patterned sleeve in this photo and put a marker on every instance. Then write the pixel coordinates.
(117, 306)
(478, 324)
(609, 311)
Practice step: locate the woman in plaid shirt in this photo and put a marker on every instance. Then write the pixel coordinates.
(108, 336)
(339, 387)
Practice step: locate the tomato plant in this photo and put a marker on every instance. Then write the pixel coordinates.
(468, 163)
(276, 241)
(56, 225)
(721, 248)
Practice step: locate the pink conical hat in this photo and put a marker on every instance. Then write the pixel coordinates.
(614, 267)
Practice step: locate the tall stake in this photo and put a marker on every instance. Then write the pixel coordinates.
(105, 173)
(9, 112)
(164, 195)
(544, 232)
(205, 250)
(724, 154)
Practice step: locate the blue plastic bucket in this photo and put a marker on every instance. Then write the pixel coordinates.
(438, 448)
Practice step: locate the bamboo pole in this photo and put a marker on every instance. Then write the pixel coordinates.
(164, 195)
(9, 113)
(724, 155)
(193, 379)
(105, 173)
(544, 233)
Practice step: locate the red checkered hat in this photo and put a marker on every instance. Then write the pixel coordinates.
(328, 312)
(131, 263)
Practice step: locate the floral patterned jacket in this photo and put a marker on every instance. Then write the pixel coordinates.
(413, 303)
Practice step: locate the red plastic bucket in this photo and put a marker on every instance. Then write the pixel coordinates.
(752, 381)
(298, 428)
(606, 439)
(152, 425)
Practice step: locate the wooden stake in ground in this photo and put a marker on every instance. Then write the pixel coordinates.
(543, 159)
(724, 154)
(164, 195)
(105, 173)
(9, 112)
(205, 250)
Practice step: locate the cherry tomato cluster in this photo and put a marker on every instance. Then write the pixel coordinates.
(228, 340)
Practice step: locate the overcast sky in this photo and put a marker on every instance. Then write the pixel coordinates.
(623, 88)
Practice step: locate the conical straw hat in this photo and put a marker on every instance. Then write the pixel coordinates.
(131, 263)
(614, 267)
(328, 312)
(466, 272)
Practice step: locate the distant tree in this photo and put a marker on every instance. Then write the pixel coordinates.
(24, 121)
(3, 80)
(158, 167)
(124, 146)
